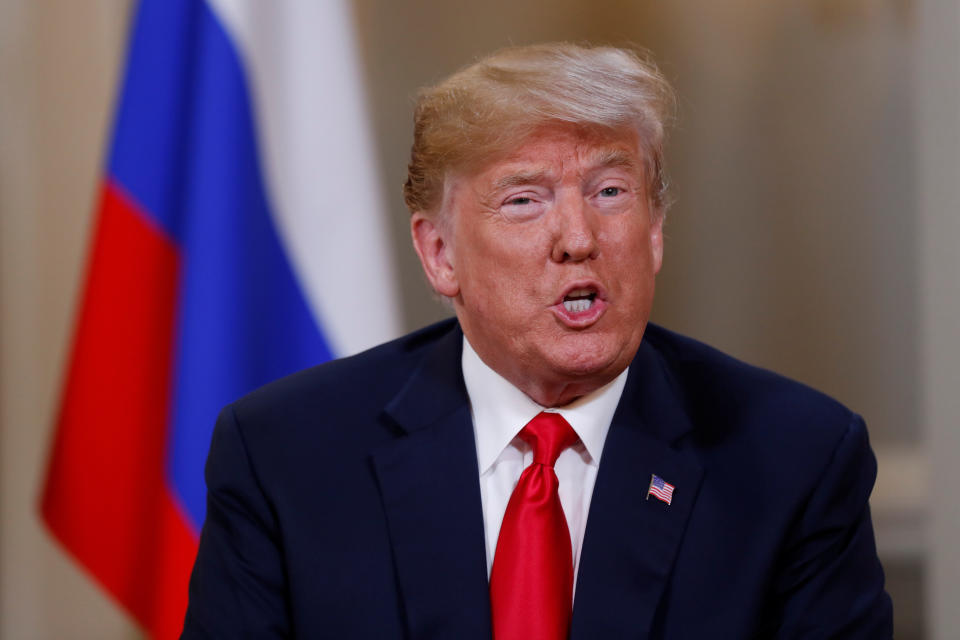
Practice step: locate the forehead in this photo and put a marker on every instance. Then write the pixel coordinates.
(564, 147)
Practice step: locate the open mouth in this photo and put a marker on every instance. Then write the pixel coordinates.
(582, 306)
(579, 300)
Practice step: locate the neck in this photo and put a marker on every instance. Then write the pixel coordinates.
(548, 392)
(556, 395)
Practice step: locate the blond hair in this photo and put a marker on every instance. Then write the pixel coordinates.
(485, 109)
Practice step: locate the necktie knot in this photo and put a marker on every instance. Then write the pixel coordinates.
(548, 434)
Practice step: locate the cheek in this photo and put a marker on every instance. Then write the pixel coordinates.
(484, 276)
(633, 264)
(640, 241)
(506, 292)
(625, 241)
(504, 259)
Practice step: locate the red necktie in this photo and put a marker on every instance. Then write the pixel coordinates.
(531, 582)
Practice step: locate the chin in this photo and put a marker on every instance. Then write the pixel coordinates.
(584, 358)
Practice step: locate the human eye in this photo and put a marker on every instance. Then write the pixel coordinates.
(519, 207)
(612, 193)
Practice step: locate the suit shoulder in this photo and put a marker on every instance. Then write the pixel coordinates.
(367, 379)
(753, 427)
(718, 387)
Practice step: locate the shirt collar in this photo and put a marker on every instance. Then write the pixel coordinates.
(500, 410)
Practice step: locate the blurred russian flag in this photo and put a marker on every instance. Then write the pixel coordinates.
(240, 237)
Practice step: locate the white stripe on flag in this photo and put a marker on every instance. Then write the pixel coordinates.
(319, 161)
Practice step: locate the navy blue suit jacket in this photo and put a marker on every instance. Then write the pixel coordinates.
(344, 502)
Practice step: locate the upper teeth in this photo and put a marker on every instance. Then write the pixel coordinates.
(576, 306)
(578, 300)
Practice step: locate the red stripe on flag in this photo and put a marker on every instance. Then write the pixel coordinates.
(106, 497)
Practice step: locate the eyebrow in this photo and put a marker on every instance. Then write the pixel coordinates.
(616, 158)
(520, 179)
(602, 160)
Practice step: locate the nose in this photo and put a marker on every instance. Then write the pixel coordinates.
(575, 236)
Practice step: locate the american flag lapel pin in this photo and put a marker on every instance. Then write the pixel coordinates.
(660, 489)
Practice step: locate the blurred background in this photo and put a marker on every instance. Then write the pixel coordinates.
(815, 231)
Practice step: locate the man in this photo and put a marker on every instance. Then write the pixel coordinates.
(548, 448)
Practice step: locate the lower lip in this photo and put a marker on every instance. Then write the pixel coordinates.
(582, 319)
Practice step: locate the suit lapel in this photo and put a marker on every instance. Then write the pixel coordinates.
(631, 541)
(429, 483)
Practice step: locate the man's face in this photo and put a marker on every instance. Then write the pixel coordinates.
(549, 256)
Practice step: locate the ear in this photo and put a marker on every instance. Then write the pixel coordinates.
(435, 253)
(656, 242)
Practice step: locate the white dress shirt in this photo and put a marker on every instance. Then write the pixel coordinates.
(500, 411)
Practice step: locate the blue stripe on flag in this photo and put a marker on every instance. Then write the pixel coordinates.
(186, 149)
(152, 142)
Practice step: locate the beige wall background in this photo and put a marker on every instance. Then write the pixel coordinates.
(815, 232)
